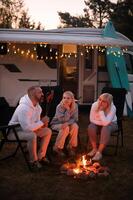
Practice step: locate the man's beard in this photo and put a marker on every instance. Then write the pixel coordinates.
(40, 100)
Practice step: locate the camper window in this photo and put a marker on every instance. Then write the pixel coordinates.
(48, 53)
(3, 48)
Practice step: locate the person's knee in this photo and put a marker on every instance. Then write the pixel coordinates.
(32, 136)
(91, 129)
(105, 129)
(75, 126)
(66, 129)
(48, 132)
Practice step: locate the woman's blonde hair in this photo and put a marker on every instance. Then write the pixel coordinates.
(73, 104)
(108, 97)
(69, 93)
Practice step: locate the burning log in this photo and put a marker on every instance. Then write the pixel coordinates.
(66, 166)
(84, 169)
(103, 174)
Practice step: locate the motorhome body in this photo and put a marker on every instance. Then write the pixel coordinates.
(73, 58)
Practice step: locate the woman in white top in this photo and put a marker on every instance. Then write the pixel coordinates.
(103, 120)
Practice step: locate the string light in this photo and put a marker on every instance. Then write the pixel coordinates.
(31, 53)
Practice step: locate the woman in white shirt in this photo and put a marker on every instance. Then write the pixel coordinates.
(103, 120)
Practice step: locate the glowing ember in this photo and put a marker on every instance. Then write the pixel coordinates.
(84, 168)
(77, 170)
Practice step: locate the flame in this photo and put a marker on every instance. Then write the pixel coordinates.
(82, 166)
(84, 161)
(76, 170)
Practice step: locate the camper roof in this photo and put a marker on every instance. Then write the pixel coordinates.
(79, 36)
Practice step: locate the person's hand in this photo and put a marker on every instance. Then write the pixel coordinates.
(66, 106)
(73, 104)
(100, 108)
(45, 120)
(64, 125)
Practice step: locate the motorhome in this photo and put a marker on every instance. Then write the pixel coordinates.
(74, 58)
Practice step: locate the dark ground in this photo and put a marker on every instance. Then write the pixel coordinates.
(17, 183)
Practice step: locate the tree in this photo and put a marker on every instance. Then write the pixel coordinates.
(14, 15)
(96, 13)
(25, 22)
(122, 17)
(71, 21)
(6, 15)
(99, 11)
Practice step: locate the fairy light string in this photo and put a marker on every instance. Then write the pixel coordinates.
(31, 51)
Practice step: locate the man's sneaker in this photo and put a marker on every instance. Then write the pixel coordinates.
(36, 165)
(97, 157)
(58, 151)
(44, 161)
(92, 152)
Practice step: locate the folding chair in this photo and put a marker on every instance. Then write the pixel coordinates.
(119, 100)
(5, 130)
(49, 108)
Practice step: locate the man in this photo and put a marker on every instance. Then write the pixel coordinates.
(27, 114)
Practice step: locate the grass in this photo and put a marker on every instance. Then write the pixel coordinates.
(17, 183)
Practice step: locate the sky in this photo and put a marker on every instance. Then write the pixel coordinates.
(45, 11)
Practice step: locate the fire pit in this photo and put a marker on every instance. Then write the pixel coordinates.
(84, 168)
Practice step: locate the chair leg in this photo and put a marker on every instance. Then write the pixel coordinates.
(25, 157)
(22, 150)
(11, 155)
(117, 144)
(1, 144)
(122, 143)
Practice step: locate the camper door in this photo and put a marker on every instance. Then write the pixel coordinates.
(87, 74)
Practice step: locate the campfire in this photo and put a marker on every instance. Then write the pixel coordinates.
(84, 168)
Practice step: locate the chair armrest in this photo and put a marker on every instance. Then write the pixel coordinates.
(9, 126)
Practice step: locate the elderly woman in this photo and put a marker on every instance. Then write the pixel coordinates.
(65, 121)
(103, 120)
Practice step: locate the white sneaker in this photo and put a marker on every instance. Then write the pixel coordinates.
(97, 157)
(92, 152)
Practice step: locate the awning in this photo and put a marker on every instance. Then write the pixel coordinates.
(78, 36)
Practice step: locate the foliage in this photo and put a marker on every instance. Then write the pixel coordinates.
(71, 21)
(14, 15)
(100, 11)
(122, 17)
(96, 13)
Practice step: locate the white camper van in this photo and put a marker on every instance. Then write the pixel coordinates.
(73, 58)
